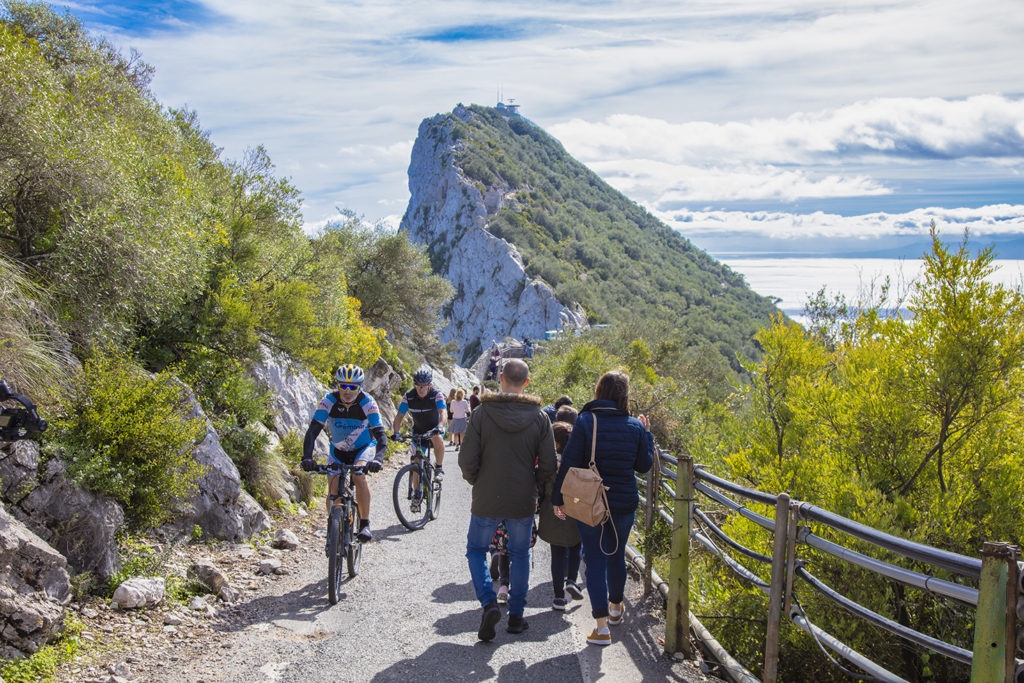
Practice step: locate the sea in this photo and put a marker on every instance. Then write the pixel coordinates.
(793, 280)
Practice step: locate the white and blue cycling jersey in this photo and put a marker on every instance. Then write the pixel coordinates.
(353, 429)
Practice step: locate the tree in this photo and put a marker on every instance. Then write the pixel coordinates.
(389, 275)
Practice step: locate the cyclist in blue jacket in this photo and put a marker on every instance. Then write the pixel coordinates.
(356, 434)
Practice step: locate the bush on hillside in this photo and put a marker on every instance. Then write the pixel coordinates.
(28, 361)
(129, 435)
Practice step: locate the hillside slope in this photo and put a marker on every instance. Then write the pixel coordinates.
(489, 188)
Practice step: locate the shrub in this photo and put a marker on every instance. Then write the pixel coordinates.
(129, 435)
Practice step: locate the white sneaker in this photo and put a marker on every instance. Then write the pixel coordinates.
(438, 474)
(503, 594)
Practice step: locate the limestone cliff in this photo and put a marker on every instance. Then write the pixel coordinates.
(449, 213)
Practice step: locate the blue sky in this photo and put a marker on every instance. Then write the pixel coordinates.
(791, 126)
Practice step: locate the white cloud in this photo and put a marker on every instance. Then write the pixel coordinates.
(663, 185)
(999, 219)
(905, 128)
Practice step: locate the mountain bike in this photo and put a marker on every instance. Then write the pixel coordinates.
(342, 525)
(417, 492)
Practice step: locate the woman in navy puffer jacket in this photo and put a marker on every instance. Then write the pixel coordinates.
(624, 446)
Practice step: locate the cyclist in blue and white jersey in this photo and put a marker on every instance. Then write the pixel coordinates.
(356, 434)
(428, 410)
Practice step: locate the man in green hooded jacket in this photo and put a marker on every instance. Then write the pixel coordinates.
(508, 455)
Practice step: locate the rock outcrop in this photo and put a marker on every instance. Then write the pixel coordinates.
(34, 587)
(219, 506)
(294, 393)
(77, 523)
(449, 214)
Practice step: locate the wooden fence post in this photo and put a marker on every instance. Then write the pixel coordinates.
(995, 634)
(677, 616)
(650, 517)
(776, 589)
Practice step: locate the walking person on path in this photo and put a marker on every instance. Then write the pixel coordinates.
(562, 535)
(508, 456)
(460, 416)
(624, 446)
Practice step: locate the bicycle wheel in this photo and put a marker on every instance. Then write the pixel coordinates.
(435, 497)
(334, 554)
(410, 506)
(355, 548)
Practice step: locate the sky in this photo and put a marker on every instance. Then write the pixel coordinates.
(754, 127)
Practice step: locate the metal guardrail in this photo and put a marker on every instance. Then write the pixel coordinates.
(995, 600)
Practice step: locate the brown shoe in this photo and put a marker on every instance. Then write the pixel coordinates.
(598, 638)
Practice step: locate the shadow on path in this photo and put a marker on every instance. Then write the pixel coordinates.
(303, 604)
(452, 662)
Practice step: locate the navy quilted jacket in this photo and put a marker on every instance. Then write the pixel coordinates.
(623, 447)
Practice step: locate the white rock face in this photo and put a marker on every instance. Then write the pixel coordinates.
(447, 212)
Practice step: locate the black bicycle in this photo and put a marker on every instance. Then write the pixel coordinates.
(342, 525)
(417, 491)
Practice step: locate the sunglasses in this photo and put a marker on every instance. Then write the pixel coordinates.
(348, 387)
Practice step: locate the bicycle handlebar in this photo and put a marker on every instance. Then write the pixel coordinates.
(436, 431)
(337, 468)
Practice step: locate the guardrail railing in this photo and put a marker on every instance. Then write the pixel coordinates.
(682, 495)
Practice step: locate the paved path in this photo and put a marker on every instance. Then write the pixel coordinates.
(411, 615)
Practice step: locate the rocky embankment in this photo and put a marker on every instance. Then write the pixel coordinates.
(52, 530)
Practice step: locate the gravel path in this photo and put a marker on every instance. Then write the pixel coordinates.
(411, 615)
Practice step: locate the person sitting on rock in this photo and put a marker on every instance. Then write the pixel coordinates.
(356, 435)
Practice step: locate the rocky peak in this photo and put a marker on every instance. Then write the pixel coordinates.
(449, 213)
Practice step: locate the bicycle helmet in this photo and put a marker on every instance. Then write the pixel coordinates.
(348, 374)
(422, 377)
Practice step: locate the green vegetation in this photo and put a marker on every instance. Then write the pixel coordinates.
(129, 436)
(596, 247)
(124, 233)
(907, 422)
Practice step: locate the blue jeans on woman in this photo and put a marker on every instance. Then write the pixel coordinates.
(606, 574)
(478, 540)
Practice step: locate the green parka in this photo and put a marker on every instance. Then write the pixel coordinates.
(508, 455)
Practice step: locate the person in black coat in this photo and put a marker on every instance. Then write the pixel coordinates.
(624, 446)
(563, 536)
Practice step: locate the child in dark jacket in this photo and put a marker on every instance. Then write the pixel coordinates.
(563, 536)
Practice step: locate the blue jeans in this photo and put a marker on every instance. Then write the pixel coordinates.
(606, 575)
(481, 531)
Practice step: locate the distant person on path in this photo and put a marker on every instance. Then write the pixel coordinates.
(427, 407)
(508, 455)
(563, 536)
(460, 416)
(624, 446)
(551, 409)
(474, 399)
(451, 399)
(527, 347)
(356, 434)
